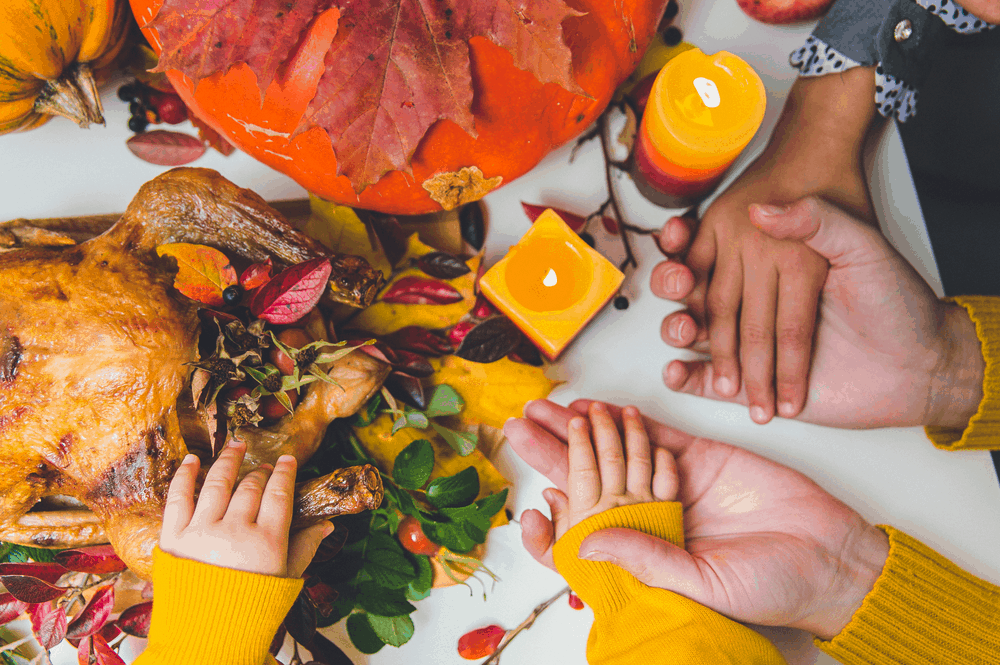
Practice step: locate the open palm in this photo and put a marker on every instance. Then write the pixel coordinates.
(763, 543)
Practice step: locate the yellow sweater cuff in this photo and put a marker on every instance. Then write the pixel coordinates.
(635, 624)
(922, 609)
(983, 430)
(605, 586)
(206, 615)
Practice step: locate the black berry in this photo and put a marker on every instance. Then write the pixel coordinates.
(232, 294)
(127, 92)
(136, 108)
(672, 36)
(671, 10)
(621, 302)
(587, 238)
(137, 123)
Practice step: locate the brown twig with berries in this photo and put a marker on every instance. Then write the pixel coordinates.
(524, 625)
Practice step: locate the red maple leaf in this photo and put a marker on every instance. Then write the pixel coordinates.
(204, 37)
(394, 69)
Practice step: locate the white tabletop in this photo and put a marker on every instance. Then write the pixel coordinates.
(948, 500)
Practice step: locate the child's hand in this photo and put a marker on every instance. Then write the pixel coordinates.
(751, 303)
(246, 529)
(616, 477)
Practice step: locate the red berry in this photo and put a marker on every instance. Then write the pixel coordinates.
(575, 602)
(296, 338)
(272, 409)
(481, 642)
(169, 107)
(412, 537)
(234, 394)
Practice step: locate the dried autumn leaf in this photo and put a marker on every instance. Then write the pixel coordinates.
(166, 148)
(395, 67)
(97, 560)
(442, 265)
(381, 318)
(256, 275)
(203, 273)
(48, 624)
(419, 340)
(10, 608)
(573, 221)
(94, 650)
(490, 341)
(342, 231)
(94, 615)
(492, 392)
(135, 620)
(610, 224)
(421, 291)
(290, 294)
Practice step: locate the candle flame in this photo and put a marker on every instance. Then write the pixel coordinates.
(550, 278)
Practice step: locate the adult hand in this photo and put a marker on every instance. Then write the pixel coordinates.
(887, 352)
(751, 298)
(246, 529)
(763, 543)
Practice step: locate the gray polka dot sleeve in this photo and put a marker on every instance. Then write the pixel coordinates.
(893, 97)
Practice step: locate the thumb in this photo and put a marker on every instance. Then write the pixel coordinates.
(653, 561)
(824, 228)
(302, 547)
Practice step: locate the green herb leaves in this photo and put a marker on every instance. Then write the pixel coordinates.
(413, 465)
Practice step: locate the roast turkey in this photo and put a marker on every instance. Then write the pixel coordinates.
(96, 349)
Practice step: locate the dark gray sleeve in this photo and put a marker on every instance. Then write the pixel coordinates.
(866, 31)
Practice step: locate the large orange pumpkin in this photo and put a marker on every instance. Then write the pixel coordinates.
(518, 119)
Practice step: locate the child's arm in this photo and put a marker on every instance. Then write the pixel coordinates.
(226, 573)
(634, 487)
(751, 299)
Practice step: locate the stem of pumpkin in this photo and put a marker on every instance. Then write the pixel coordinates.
(73, 95)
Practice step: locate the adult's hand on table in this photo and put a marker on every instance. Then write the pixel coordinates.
(887, 352)
(763, 543)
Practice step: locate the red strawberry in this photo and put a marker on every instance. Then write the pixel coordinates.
(780, 12)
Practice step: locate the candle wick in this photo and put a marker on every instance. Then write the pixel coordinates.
(550, 278)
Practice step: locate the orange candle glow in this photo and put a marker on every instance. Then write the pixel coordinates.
(702, 112)
(551, 283)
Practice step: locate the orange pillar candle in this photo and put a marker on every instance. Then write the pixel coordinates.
(702, 111)
(551, 283)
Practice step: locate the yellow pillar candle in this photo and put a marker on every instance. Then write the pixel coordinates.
(551, 283)
(701, 113)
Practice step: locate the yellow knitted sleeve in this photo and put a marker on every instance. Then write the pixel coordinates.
(983, 430)
(635, 624)
(207, 615)
(922, 609)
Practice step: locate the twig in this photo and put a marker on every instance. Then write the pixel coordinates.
(526, 624)
(604, 124)
(13, 645)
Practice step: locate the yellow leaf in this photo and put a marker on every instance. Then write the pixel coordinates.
(383, 446)
(342, 231)
(493, 392)
(381, 318)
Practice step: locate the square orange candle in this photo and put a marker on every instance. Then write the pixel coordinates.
(551, 283)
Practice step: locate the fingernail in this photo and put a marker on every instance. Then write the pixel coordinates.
(328, 529)
(671, 281)
(723, 386)
(190, 458)
(675, 232)
(771, 210)
(786, 409)
(286, 459)
(682, 329)
(757, 414)
(235, 443)
(597, 555)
